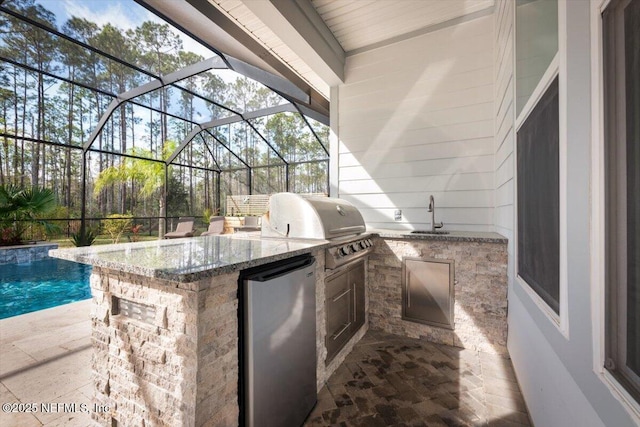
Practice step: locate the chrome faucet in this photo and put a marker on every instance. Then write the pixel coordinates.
(432, 209)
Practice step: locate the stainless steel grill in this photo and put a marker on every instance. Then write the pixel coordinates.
(327, 218)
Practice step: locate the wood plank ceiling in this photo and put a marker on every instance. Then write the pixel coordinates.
(358, 25)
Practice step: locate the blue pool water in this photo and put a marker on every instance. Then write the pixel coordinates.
(41, 284)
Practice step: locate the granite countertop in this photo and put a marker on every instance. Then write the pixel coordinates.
(456, 236)
(190, 259)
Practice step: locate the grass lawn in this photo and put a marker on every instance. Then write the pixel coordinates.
(65, 242)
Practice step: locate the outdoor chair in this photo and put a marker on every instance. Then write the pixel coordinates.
(216, 226)
(183, 229)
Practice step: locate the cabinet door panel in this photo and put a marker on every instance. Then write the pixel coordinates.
(428, 292)
(357, 282)
(339, 312)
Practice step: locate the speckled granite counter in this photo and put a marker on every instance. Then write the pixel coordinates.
(190, 259)
(455, 236)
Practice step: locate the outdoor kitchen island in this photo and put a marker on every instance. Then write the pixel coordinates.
(165, 314)
(165, 325)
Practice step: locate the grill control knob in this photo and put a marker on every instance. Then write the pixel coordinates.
(343, 251)
(354, 247)
(363, 244)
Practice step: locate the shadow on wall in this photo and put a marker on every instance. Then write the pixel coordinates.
(412, 125)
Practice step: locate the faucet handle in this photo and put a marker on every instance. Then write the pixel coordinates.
(439, 225)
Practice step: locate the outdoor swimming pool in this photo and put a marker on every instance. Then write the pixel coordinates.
(41, 284)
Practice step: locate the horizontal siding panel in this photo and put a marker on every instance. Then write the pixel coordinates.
(505, 193)
(419, 168)
(448, 216)
(504, 99)
(445, 150)
(504, 172)
(444, 199)
(427, 101)
(505, 124)
(504, 158)
(446, 80)
(395, 225)
(504, 217)
(470, 181)
(406, 118)
(362, 139)
(418, 118)
(505, 64)
(505, 149)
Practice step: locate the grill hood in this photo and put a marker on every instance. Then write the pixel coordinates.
(293, 216)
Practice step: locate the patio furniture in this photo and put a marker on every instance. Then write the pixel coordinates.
(216, 226)
(183, 229)
(251, 223)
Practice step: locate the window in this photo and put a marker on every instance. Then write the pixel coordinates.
(621, 54)
(539, 199)
(538, 151)
(536, 44)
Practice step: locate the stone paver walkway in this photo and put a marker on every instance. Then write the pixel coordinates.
(386, 380)
(389, 380)
(45, 367)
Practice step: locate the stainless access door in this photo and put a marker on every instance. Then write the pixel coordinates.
(428, 291)
(279, 344)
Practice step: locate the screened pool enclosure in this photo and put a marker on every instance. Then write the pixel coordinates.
(120, 112)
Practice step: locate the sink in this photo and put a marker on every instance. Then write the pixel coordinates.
(429, 232)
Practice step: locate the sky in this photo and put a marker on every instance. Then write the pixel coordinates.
(124, 14)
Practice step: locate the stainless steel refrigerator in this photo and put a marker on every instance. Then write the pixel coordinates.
(278, 343)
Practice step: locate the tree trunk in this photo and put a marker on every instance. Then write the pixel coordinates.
(24, 124)
(163, 214)
(67, 185)
(123, 141)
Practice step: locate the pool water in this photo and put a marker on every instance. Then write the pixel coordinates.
(41, 284)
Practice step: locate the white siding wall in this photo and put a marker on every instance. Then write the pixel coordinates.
(504, 118)
(555, 372)
(417, 118)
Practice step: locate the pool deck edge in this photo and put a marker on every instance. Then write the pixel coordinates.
(45, 358)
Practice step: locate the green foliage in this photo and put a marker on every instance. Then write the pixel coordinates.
(177, 197)
(38, 106)
(206, 215)
(135, 232)
(116, 225)
(21, 208)
(83, 239)
(145, 172)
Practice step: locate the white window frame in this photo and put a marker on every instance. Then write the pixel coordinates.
(598, 225)
(557, 68)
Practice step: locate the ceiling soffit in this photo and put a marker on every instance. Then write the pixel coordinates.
(337, 29)
(361, 25)
(212, 27)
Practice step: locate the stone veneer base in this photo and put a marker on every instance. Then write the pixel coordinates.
(180, 366)
(25, 253)
(480, 308)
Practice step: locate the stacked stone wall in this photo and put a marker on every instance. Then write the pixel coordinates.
(175, 366)
(480, 308)
(25, 253)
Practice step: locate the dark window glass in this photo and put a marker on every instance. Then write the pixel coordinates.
(632, 71)
(539, 199)
(621, 55)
